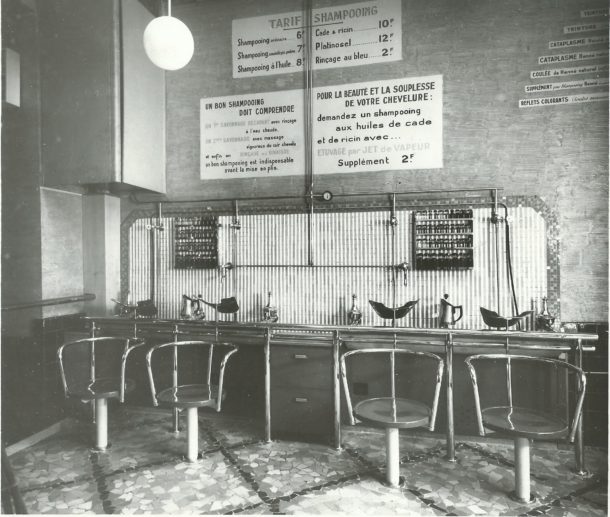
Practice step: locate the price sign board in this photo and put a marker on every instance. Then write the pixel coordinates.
(344, 35)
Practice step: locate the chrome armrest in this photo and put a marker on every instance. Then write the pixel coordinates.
(150, 373)
(60, 358)
(437, 391)
(348, 399)
(139, 342)
(581, 397)
(223, 364)
(475, 387)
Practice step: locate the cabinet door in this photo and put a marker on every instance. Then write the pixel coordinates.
(301, 391)
(143, 105)
(301, 412)
(103, 101)
(80, 110)
(301, 366)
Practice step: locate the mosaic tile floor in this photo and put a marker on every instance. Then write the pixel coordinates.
(143, 472)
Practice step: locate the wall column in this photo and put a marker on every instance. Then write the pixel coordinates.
(101, 252)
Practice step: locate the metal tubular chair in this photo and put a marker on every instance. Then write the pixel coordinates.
(522, 422)
(190, 396)
(103, 379)
(393, 413)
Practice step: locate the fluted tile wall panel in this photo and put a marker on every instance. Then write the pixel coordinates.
(352, 253)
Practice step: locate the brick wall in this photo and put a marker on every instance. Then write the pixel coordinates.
(485, 52)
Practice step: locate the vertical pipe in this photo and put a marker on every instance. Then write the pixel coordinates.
(496, 224)
(449, 370)
(337, 389)
(175, 415)
(310, 231)
(101, 424)
(268, 386)
(308, 92)
(307, 61)
(235, 227)
(393, 372)
(153, 261)
(92, 359)
(192, 434)
(92, 372)
(176, 421)
(509, 378)
(393, 259)
(579, 445)
(392, 456)
(522, 469)
(497, 257)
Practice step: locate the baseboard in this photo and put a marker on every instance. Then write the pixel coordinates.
(39, 436)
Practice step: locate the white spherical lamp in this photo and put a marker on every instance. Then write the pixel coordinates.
(168, 43)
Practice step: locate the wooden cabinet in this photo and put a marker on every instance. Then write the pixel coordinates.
(301, 391)
(32, 392)
(103, 101)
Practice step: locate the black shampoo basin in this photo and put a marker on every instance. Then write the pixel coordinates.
(388, 313)
(493, 319)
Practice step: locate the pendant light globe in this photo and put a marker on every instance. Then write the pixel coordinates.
(168, 43)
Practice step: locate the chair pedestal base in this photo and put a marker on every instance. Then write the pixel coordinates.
(101, 424)
(522, 469)
(585, 474)
(192, 434)
(392, 456)
(513, 496)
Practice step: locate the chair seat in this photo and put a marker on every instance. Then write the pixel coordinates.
(101, 388)
(189, 395)
(379, 412)
(524, 422)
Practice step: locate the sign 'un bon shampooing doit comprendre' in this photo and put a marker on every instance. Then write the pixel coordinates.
(372, 126)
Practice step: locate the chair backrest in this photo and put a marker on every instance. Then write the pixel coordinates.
(529, 371)
(180, 348)
(391, 355)
(91, 358)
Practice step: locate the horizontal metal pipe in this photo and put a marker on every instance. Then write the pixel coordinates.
(346, 329)
(51, 301)
(307, 196)
(312, 266)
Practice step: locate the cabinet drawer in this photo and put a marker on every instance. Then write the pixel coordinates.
(301, 367)
(301, 411)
